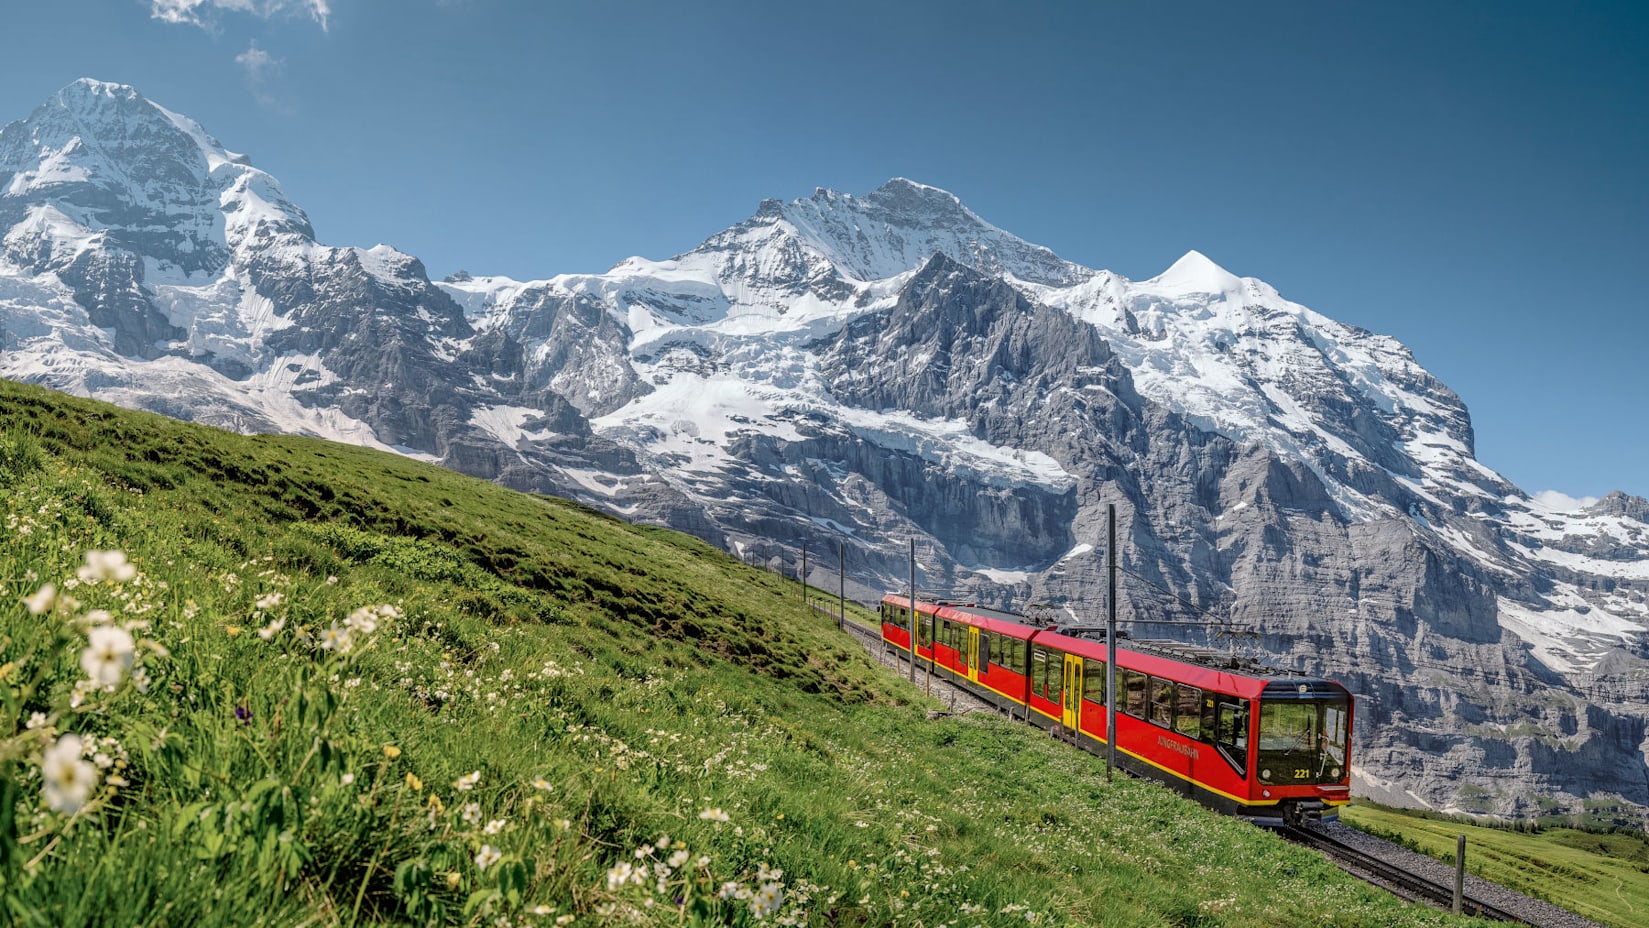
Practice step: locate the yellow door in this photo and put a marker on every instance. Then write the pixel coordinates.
(973, 654)
(1073, 692)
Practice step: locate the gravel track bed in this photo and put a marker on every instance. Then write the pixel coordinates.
(1531, 910)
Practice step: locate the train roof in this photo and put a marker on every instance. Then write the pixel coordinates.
(1169, 659)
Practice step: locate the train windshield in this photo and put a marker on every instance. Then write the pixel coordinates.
(1303, 741)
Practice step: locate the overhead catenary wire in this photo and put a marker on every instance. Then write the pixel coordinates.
(1347, 659)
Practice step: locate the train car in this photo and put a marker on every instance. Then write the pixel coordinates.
(1265, 745)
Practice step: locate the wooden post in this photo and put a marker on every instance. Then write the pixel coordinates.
(1459, 872)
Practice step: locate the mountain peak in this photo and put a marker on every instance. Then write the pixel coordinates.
(86, 88)
(111, 117)
(900, 225)
(155, 182)
(1196, 273)
(95, 108)
(91, 86)
(922, 203)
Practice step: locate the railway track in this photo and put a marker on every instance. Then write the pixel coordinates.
(1399, 881)
(1378, 868)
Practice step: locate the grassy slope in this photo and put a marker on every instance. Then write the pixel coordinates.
(615, 688)
(1604, 877)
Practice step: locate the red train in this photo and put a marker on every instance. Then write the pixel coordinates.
(1266, 746)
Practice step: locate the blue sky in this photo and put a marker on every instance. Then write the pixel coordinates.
(1469, 177)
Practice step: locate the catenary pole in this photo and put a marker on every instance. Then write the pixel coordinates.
(1111, 645)
(804, 573)
(913, 610)
(841, 585)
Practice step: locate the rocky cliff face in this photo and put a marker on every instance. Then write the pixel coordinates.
(867, 370)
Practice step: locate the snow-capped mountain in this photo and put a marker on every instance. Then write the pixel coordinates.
(867, 369)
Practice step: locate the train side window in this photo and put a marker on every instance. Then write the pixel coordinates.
(925, 634)
(1093, 681)
(1021, 657)
(1188, 710)
(1039, 660)
(984, 652)
(1132, 684)
(1232, 734)
(1162, 702)
(1053, 676)
(1208, 711)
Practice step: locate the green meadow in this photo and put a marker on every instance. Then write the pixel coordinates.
(1603, 876)
(276, 681)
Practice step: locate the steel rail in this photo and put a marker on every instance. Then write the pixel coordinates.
(1400, 881)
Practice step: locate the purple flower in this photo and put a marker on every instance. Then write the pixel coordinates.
(243, 715)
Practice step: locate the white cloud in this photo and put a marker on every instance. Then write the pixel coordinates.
(264, 73)
(199, 12)
(1563, 502)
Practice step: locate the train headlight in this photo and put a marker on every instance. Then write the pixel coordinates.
(1334, 772)
(1266, 774)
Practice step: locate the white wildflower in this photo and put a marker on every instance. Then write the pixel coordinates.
(488, 856)
(107, 656)
(337, 638)
(767, 900)
(714, 815)
(106, 565)
(467, 782)
(69, 779)
(363, 620)
(43, 601)
(270, 600)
